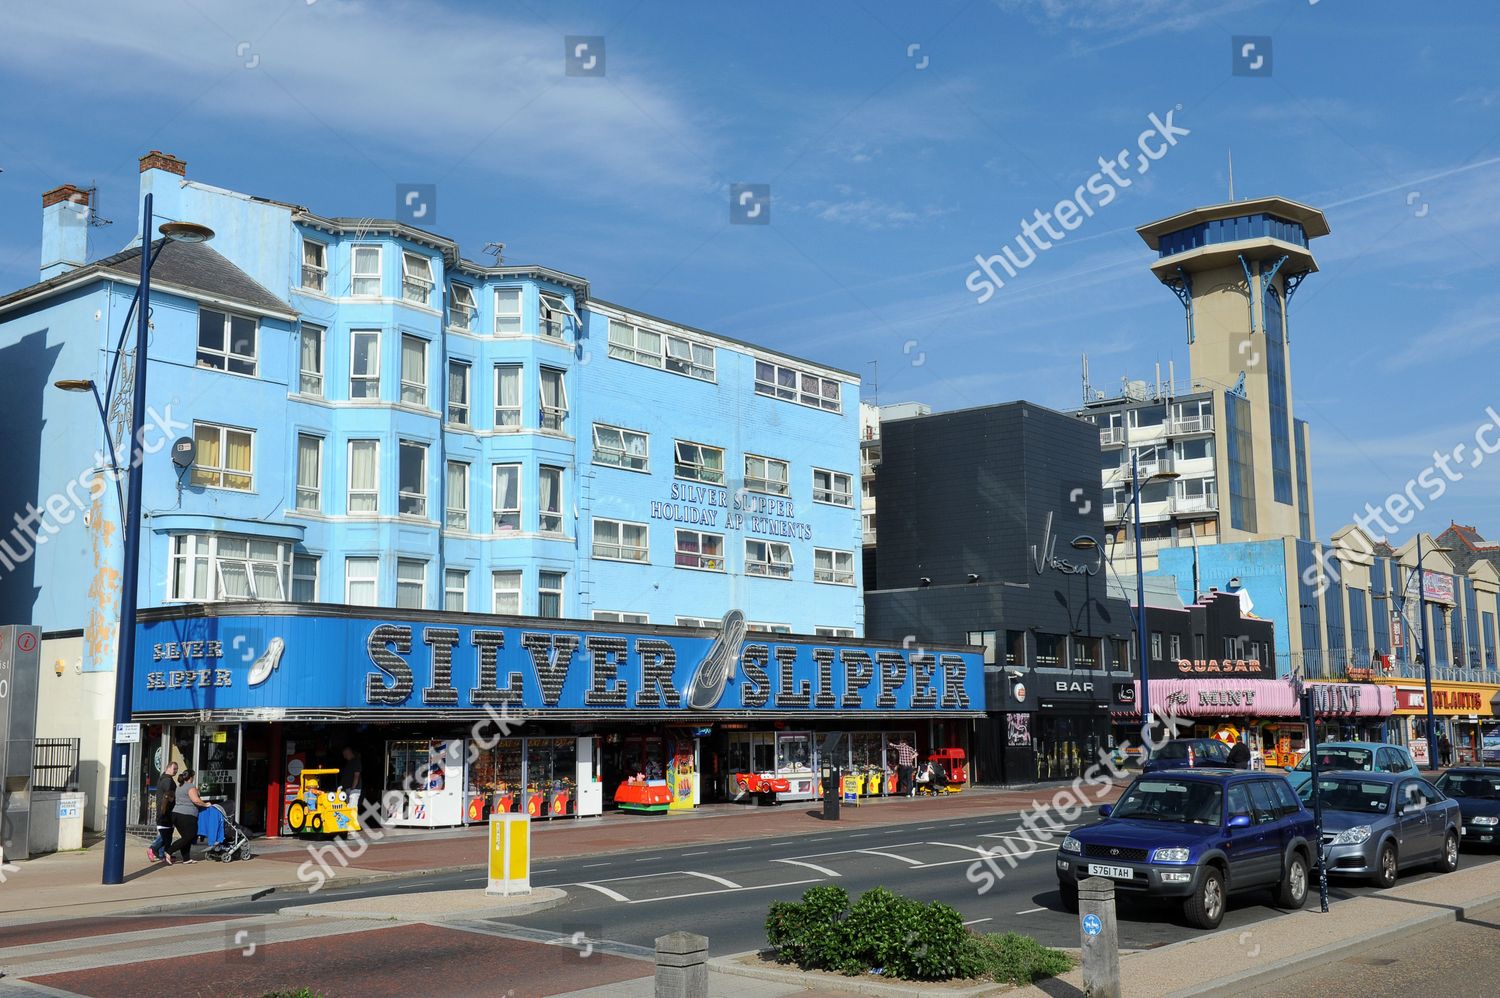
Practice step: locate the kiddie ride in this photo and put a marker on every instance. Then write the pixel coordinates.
(643, 796)
(317, 811)
(946, 772)
(764, 788)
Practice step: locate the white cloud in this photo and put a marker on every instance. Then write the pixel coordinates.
(1122, 21)
(470, 86)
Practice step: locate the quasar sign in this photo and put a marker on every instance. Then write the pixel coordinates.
(438, 665)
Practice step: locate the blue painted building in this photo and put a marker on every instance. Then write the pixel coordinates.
(378, 422)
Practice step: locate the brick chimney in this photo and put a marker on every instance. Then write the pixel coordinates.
(158, 160)
(65, 230)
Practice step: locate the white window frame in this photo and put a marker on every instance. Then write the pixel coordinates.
(768, 628)
(763, 481)
(611, 456)
(417, 500)
(462, 305)
(791, 384)
(543, 590)
(518, 511)
(413, 392)
(309, 498)
(224, 358)
(554, 418)
(833, 632)
(503, 412)
(373, 579)
(672, 352)
(697, 622)
(830, 494)
(188, 567)
(310, 383)
(614, 548)
(373, 492)
(768, 567)
(833, 575)
(405, 584)
(317, 270)
(694, 469)
(299, 561)
(356, 275)
(506, 575)
(456, 517)
(366, 378)
(460, 410)
(550, 521)
(552, 309)
(461, 590)
(620, 617)
(704, 562)
(503, 318)
(217, 476)
(414, 287)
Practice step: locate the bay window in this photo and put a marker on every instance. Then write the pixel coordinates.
(507, 397)
(364, 364)
(458, 496)
(309, 472)
(364, 476)
(364, 269)
(224, 567)
(461, 306)
(506, 587)
(361, 581)
(458, 392)
(416, 278)
(554, 399)
(310, 361)
(413, 370)
(412, 479)
(507, 311)
(507, 495)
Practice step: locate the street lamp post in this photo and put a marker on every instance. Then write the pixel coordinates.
(1432, 739)
(119, 761)
(1140, 610)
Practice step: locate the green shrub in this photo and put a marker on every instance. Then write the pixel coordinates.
(810, 932)
(1018, 959)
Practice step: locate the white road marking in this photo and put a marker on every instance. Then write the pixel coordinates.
(978, 920)
(535, 872)
(590, 866)
(1030, 911)
(704, 852)
(811, 866)
(738, 849)
(824, 838)
(925, 828)
(955, 845)
(699, 894)
(709, 876)
(891, 855)
(612, 895)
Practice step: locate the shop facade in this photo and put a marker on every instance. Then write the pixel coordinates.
(452, 717)
(1467, 714)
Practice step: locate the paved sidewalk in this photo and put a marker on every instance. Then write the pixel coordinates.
(66, 885)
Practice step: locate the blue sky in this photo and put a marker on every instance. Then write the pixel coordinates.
(891, 166)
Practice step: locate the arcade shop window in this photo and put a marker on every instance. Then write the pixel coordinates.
(213, 567)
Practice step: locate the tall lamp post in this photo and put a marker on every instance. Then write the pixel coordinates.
(119, 764)
(1432, 739)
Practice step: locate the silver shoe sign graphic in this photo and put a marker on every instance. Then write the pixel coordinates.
(723, 657)
(268, 662)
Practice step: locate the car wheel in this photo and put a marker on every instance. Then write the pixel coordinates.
(1205, 909)
(1449, 862)
(1385, 866)
(1292, 891)
(296, 816)
(1069, 894)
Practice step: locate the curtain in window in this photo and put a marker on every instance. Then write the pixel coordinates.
(413, 370)
(458, 486)
(508, 397)
(206, 455)
(309, 453)
(237, 458)
(362, 477)
(551, 482)
(458, 385)
(312, 361)
(635, 447)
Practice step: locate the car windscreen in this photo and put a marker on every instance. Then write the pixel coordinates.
(1172, 750)
(1172, 800)
(1339, 758)
(1349, 795)
(1471, 785)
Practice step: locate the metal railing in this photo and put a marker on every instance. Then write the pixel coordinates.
(1190, 424)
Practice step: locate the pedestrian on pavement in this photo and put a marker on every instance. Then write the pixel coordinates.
(166, 798)
(185, 814)
(1445, 749)
(351, 777)
(906, 767)
(1239, 755)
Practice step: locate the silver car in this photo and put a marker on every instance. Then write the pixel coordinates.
(1377, 825)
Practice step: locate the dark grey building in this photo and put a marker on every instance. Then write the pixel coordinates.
(990, 531)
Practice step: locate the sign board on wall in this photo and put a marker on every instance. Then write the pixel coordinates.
(1437, 587)
(305, 664)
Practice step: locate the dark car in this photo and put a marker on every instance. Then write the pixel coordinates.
(1196, 836)
(1477, 792)
(1188, 753)
(1376, 825)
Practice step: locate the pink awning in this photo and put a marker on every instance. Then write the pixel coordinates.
(1265, 698)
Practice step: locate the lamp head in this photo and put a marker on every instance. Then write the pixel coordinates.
(186, 232)
(74, 385)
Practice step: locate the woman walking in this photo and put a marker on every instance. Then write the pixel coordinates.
(185, 814)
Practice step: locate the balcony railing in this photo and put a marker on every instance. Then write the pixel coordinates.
(1111, 435)
(1196, 504)
(1190, 424)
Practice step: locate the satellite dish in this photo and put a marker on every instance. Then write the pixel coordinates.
(183, 452)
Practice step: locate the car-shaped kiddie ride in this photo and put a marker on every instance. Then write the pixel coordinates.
(315, 811)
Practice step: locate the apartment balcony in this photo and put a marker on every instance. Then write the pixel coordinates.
(1160, 466)
(1112, 436)
(1187, 505)
(1187, 426)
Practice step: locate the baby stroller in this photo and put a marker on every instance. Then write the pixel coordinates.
(236, 841)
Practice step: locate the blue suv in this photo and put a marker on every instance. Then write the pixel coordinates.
(1196, 835)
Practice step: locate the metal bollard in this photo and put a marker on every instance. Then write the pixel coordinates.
(682, 965)
(1101, 941)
